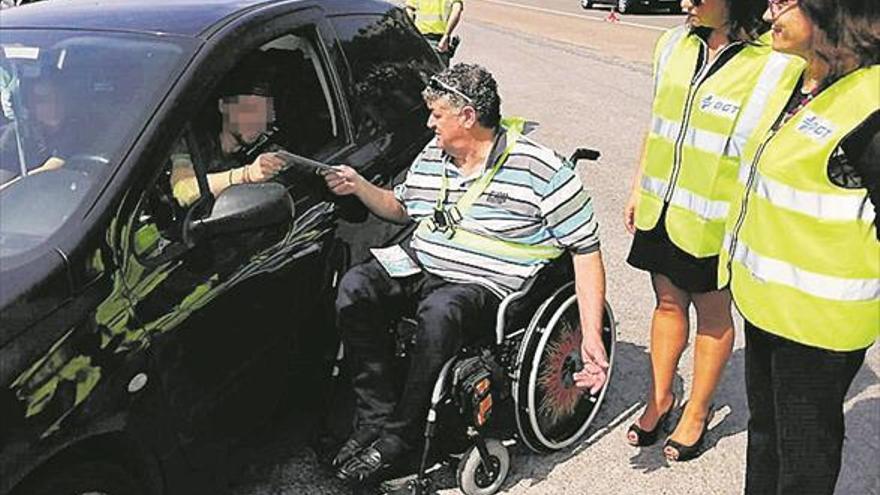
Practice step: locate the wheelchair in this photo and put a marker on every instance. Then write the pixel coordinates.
(517, 386)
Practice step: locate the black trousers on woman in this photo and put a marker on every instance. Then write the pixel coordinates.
(447, 314)
(796, 426)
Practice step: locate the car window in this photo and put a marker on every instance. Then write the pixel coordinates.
(390, 63)
(157, 230)
(277, 97)
(72, 103)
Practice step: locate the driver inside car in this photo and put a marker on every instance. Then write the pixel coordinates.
(41, 142)
(247, 109)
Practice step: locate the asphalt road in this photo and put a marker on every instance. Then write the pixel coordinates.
(588, 83)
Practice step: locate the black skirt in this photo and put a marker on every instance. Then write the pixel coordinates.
(654, 252)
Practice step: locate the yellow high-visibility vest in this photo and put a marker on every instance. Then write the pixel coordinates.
(431, 15)
(698, 129)
(801, 253)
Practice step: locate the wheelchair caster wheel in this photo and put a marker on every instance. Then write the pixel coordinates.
(473, 477)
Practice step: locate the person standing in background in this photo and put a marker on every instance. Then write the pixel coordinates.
(436, 20)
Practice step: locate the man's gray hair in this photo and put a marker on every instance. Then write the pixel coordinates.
(463, 82)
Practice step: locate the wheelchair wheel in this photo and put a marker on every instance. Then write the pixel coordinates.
(551, 412)
(473, 477)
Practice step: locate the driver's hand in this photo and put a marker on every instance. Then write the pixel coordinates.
(263, 168)
(343, 180)
(53, 163)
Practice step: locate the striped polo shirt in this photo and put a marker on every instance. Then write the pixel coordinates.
(535, 198)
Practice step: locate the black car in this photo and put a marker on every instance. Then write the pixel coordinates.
(139, 335)
(629, 6)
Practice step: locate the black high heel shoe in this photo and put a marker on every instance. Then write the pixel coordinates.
(688, 452)
(649, 437)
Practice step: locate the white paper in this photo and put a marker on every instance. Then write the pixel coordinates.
(395, 261)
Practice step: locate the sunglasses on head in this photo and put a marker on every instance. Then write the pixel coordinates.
(777, 6)
(438, 85)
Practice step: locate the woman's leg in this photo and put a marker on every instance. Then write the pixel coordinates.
(712, 348)
(669, 334)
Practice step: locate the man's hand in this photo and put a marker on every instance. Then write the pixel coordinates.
(595, 360)
(343, 180)
(263, 168)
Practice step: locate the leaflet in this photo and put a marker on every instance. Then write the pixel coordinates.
(395, 261)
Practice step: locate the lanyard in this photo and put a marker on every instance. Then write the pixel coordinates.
(470, 196)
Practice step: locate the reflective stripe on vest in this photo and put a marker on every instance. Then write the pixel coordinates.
(827, 287)
(801, 254)
(778, 67)
(697, 137)
(707, 141)
(702, 207)
(669, 41)
(818, 205)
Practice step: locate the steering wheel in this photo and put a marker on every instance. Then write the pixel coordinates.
(86, 163)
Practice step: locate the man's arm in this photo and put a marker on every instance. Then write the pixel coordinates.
(454, 17)
(344, 180)
(568, 213)
(589, 280)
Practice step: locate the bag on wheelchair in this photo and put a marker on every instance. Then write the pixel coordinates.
(478, 383)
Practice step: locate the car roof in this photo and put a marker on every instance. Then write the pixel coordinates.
(177, 17)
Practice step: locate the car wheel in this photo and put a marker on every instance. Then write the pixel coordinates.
(586, 4)
(83, 478)
(623, 6)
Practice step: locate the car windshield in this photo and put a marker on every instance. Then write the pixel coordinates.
(72, 104)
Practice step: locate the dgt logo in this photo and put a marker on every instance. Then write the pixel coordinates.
(815, 127)
(719, 106)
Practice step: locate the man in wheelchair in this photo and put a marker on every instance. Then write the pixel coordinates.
(491, 207)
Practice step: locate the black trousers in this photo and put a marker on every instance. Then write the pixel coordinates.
(447, 315)
(796, 426)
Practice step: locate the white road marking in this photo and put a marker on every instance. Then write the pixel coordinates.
(576, 16)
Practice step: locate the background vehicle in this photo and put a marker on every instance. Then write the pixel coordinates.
(629, 6)
(138, 337)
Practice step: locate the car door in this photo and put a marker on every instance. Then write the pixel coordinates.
(225, 314)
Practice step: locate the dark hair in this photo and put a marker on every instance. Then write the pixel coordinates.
(255, 75)
(476, 83)
(745, 21)
(846, 33)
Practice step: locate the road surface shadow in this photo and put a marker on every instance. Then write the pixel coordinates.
(624, 399)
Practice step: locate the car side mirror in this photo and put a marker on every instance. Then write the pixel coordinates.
(240, 208)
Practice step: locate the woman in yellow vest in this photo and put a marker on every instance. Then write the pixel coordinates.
(710, 79)
(802, 253)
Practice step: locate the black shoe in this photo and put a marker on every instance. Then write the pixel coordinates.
(688, 452)
(360, 439)
(649, 437)
(363, 467)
